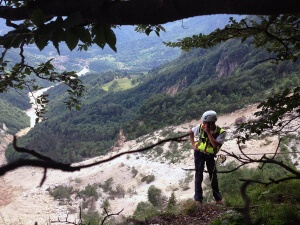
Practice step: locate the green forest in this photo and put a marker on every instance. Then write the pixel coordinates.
(12, 115)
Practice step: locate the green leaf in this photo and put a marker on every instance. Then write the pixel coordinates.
(83, 34)
(99, 36)
(110, 38)
(27, 71)
(73, 20)
(40, 42)
(147, 31)
(58, 36)
(37, 17)
(71, 39)
(56, 45)
(17, 41)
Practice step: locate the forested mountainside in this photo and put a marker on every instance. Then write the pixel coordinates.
(12, 119)
(224, 78)
(12, 105)
(136, 52)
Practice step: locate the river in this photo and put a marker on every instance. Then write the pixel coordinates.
(33, 95)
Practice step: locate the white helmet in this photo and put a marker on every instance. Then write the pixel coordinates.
(209, 116)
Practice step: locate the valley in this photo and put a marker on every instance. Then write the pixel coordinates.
(144, 93)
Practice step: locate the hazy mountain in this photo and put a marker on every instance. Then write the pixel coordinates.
(136, 52)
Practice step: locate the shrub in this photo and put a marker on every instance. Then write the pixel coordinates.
(155, 196)
(61, 192)
(134, 171)
(158, 150)
(85, 204)
(131, 191)
(119, 192)
(278, 203)
(171, 203)
(144, 210)
(107, 185)
(106, 206)
(77, 180)
(91, 218)
(89, 191)
(148, 179)
(188, 207)
(230, 217)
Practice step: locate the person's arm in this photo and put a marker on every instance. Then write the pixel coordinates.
(192, 139)
(212, 140)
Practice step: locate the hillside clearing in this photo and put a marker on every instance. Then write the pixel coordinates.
(119, 84)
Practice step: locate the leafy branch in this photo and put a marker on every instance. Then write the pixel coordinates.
(18, 77)
(278, 115)
(278, 34)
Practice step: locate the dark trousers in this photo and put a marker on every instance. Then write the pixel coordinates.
(200, 160)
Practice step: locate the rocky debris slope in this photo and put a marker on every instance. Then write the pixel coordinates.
(23, 200)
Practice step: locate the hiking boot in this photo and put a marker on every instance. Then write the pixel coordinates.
(199, 203)
(219, 202)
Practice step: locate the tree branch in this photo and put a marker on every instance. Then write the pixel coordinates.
(272, 181)
(30, 152)
(109, 215)
(246, 209)
(46, 162)
(149, 11)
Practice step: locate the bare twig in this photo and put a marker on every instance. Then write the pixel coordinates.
(246, 210)
(109, 215)
(272, 181)
(276, 152)
(22, 53)
(3, 55)
(44, 177)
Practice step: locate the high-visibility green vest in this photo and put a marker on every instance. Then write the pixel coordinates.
(204, 144)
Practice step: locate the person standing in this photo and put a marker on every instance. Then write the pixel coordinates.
(209, 139)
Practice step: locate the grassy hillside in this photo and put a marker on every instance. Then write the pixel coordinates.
(120, 84)
(171, 94)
